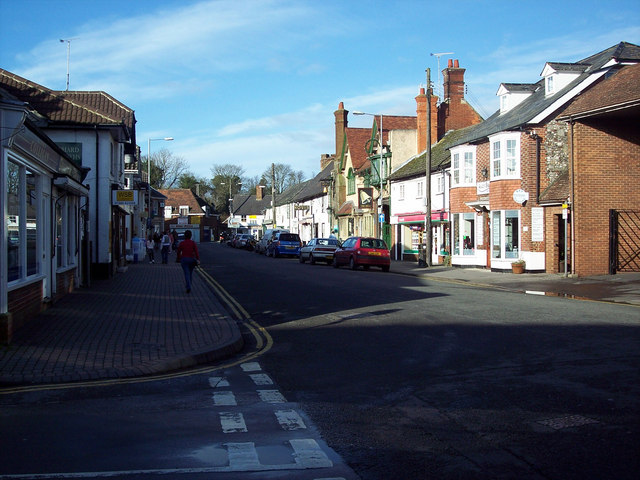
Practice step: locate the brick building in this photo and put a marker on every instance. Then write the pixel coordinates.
(511, 196)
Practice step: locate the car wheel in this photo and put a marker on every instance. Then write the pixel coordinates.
(366, 267)
(301, 259)
(385, 268)
(312, 260)
(352, 264)
(275, 253)
(335, 262)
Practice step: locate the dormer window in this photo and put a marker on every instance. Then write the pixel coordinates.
(184, 210)
(559, 75)
(549, 85)
(512, 94)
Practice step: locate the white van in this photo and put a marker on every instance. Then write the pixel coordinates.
(261, 246)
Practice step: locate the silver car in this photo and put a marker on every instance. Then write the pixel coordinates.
(319, 249)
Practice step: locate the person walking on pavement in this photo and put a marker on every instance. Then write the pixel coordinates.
(189, 257)
(150, 245)
(166, 245)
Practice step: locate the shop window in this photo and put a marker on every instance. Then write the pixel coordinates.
(22, 222)
(505, 227)
(464, 233)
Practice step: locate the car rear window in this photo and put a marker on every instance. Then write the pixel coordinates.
(289, 237)
(372, 243)
(327, 241)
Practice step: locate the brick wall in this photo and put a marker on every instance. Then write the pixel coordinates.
(607, 176)
(24, 303)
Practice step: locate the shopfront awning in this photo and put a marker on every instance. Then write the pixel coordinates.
(479, 206)
(70, 185)
(436, 216)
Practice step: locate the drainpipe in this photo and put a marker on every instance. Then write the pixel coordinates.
(537, 138)
(572, 203)
(97, 194)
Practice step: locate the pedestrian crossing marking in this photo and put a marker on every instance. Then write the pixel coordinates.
(308, 454)
(224, 398)
(271, 396)
(232, 422)
(290, 420)
(217, 382)
(251, 367)
(243, 456)
(261, 379)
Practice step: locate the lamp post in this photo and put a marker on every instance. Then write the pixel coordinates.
(149, 140)
(230, 197)
(380, 217)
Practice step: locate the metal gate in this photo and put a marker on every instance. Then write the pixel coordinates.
(624, 241)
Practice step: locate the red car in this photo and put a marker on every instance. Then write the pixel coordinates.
(363, 251)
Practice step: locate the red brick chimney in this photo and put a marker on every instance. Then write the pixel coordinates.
(341, 125)
(454, 112)
(421, 110)
(259, 192)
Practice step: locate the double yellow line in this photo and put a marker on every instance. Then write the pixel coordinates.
(263, 340)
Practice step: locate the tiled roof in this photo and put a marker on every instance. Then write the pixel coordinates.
(245, 204)
(64, 107)
(519, 87)
(290, 193)
(538, 102)
(179, 197)
(346, 208)
(558, 191)
(357, 139)
(617, 90)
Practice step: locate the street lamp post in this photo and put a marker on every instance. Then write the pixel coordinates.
(149, 140)
(230, 197)
(380, 217)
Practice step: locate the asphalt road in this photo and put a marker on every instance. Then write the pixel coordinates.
(412, 379)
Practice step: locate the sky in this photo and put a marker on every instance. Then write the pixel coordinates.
(256, 82)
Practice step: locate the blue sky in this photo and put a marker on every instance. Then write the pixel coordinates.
(253, 82)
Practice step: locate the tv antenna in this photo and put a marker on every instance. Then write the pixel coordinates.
(438, 55)
(68, 40)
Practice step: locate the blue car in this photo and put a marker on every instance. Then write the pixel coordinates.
(284, 243)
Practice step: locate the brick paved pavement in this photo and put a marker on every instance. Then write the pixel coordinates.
(139, 322)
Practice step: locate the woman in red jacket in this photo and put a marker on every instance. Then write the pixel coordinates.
(189, 257)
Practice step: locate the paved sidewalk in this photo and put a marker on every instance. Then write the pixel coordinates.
(621, 288)
(140, 322)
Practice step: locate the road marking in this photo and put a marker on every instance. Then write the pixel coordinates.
(271, 396)
(251, 367)
(243, 456)
(290, 420)
(216, 382)
(224, 398)
(261, 379)
(567, 421)
(232, 422)
(308, 454)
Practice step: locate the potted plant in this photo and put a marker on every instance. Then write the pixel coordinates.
(518, 266)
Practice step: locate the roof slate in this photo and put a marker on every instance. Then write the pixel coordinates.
(538, 102)
(64, 107)
(178, 197)
(621, 88)
(246, 204)
(357, 139)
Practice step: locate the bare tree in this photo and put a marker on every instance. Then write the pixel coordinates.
(295, 178)
(166, 169)
(281, 173)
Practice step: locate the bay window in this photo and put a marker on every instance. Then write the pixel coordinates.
(505, 156)
(463, 166)
(505, 238)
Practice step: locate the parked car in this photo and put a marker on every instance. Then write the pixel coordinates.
(242, 240)
(284, 243)
(363, 251)
(267, 238)
(319, 249)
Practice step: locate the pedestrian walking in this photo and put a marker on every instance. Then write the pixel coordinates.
(174, 240)
(189, 257)
(150, 244)
(165, 244)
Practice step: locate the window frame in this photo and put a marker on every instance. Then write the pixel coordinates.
(463, 166)
(505, 156)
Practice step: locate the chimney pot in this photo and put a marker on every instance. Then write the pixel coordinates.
(450, 63)
(422, 92)
(341, 106)
(456, 64)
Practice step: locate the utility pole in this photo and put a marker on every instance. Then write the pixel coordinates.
(427, 189)
(273, 192)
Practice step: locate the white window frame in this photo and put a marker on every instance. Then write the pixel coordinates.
(463, 166)
(505, 156)
(549, 85)
(501, 248)
(401, 191)
(420, 190)
(184, 210)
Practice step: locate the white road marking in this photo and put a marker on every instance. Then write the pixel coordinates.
(216, 382)
(243, 456)
(290, 420)
(232, 422)
(271, 396)
(261, 379)
(251, 367)
(224, 398)
(308, 454)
